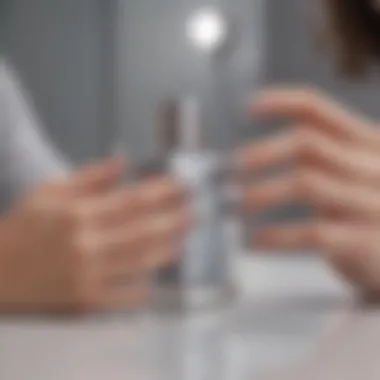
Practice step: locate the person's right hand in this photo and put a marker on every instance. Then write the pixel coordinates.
(82, 243)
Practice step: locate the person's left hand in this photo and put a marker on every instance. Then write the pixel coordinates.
(336, 171)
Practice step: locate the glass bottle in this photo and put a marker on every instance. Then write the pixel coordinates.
(201, 277)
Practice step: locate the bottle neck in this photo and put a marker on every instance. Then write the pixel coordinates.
(189, 124)
(180, 126)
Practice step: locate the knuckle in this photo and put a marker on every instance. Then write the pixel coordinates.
(308, 143)
(159, 229)
(310, 94)
(165, 187)
(311, 99)
(76, 216)
(85, 244)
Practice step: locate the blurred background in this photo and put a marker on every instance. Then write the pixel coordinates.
(97, 69)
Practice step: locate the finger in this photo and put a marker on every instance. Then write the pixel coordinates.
(145, 261)
(352, 249)
(305, 145)
(310, 235)
(345, 160)
(323, 235)
(328, 192)
(105, 244)
(117, 207)
(311, 107)
(128, 242)
(270, 193)
(168, 226)
(318, 190)
(110, 210)
(160, 193)
(97, 178)
(270, 152)
(161, 190)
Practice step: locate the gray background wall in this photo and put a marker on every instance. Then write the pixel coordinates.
(56, 47)
(155, 60)
(97, 68)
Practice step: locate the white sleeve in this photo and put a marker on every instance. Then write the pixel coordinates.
(27, 157)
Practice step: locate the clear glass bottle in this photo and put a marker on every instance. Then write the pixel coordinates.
(202, 275)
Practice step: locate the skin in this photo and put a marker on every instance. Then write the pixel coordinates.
(335, 156)
(84, 243)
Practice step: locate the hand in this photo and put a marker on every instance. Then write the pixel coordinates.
(83, 244)
(336, 170)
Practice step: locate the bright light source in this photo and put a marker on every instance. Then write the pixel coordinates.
(206, 29)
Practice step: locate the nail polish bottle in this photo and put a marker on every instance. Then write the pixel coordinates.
(201, 276)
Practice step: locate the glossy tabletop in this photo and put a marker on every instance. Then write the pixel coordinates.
(293, 320)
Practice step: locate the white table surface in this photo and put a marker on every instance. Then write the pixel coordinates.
(293, 320)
